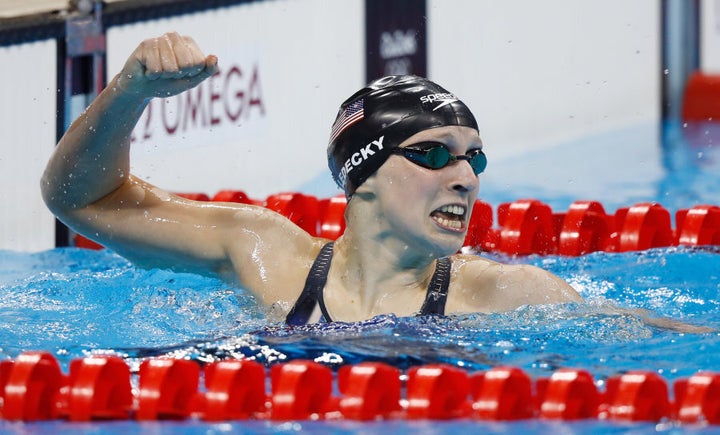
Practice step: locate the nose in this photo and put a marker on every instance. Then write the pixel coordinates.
(462, 178)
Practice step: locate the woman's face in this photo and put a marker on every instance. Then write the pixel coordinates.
(430, 208)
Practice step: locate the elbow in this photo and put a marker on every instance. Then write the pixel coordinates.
(55, 194)
(49, 192)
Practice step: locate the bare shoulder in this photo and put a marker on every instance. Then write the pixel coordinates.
(483, 285)
(270, 254)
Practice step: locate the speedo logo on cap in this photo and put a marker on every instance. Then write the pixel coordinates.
(443, 99)
(357, 158)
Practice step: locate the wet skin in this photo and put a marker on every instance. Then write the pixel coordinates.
(399, 221)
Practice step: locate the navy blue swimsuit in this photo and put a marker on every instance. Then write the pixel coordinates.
(312, 294)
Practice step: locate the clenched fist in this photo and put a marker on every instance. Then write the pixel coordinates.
(165, 66)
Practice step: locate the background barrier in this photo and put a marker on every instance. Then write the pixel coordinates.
(534, 83)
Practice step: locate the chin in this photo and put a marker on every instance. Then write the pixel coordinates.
(449, 244)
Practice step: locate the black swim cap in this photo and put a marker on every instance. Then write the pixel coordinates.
(380, 117)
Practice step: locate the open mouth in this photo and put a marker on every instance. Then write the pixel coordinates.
(451, 217)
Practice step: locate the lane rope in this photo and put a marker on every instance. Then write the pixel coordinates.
(34, 388)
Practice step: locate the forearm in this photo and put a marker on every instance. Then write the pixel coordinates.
(92, 158)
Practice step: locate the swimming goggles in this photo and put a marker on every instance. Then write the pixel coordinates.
(435, 155)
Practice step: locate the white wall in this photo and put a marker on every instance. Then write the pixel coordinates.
(27, 136)
(565, 92)
(710, 36)
(541, 72)
(537, 74)
(309, 57)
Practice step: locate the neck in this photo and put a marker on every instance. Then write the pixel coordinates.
(374, 264)
(379, 277)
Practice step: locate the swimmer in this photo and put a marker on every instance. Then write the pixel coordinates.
(406, 152)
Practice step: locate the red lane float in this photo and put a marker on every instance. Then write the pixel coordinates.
(99, 388)
(637, 396)
(698, 398)
(643, 226)
(569, 395)
(585, 228)
(33, 387)
(370, 391)
(301, 209)
(699, 225)
(167, 388)
(524, 227)
(502, 393)
(80, 241)
(437, 392)
(300, 390)
(701, 100)
(235, 390)
(480, 234)
(331, 224)
(234, 196)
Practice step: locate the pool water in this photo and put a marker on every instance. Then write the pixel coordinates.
(75, 302)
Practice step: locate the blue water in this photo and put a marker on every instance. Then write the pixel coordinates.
(75, 302)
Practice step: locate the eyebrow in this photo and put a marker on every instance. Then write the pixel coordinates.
(445, 137)
(424, 145)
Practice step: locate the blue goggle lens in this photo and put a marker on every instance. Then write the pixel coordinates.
(437, 156)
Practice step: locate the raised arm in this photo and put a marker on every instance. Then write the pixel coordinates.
(87, 182)
(92, 158)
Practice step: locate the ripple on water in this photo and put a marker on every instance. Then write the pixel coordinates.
(73, 302)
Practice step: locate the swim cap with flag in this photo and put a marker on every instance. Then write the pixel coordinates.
(380, 117)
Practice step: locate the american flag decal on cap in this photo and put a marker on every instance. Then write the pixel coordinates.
(352, 114)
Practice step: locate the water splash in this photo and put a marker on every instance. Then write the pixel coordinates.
(73, 302)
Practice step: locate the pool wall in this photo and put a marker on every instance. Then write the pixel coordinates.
(545, 78)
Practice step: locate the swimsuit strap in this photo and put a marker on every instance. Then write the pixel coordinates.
(312, 294)
(436, 295)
